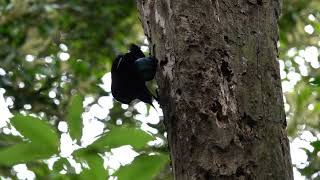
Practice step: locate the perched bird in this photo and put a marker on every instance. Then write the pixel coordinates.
(147, 67)
(129, 73)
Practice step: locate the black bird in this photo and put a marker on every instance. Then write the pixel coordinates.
(129, 74)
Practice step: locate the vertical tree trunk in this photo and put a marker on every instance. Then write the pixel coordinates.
(220, 87)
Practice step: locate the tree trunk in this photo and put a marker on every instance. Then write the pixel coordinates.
(220, 87)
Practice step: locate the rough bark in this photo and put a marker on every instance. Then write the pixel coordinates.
(220, 87)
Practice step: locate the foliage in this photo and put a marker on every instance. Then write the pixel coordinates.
(53, 59)
(51, 52)
(42, 143)
(311, 170)
(299, 62)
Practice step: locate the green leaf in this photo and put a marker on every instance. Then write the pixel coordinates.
(120, 136)
(40, 169)
(25, 152)
(59, 165)
(36, 130)
(316, 145)
(9, 140)
(96, 169)
(145, 167)
(74, 117)
(308, 171)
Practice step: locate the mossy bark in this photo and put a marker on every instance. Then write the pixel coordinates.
(220, 87)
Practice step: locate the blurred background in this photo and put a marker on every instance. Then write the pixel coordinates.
(58, 118)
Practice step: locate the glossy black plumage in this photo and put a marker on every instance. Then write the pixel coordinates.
(129, 76)
(147, 67)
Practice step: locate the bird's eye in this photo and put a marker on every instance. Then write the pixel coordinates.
(119, 63)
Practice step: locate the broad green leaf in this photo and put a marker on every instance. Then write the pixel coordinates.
(82, 153)
(36, 130)
(74, 119)
(308, 171)
(9, 140)
(145, 167)
(96, 169)
(316, 145)
(25, 152)
(120, 136)
(58, 165)
(61, 177)
(40, 169)
(61, 164)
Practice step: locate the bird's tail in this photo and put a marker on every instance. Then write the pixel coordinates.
(146, 96)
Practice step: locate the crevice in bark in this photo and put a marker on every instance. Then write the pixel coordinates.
(226, 71)
(260, 2)
(164, 62)
(215, 106)
(227, 39)
(221, 117)
(243, 172)
(204, 174)
(179, 92)
(247, 119)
